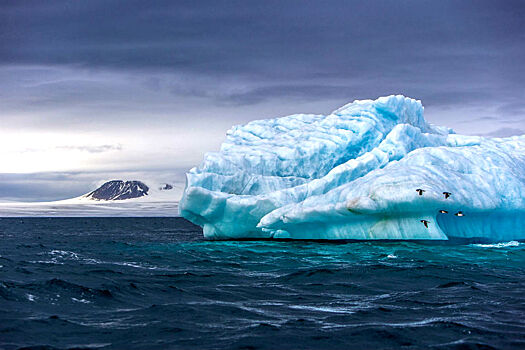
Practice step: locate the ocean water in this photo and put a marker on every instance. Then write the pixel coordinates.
(154, 283)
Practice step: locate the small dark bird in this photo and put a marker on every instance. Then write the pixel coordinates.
(459, 213)
(443, 211)
(447, 194)
(425, 222)
(420, 191)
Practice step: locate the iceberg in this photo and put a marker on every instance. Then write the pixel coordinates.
(372, 169)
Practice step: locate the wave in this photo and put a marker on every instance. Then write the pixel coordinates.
(57, 283)
(499, 245)
(136, 288)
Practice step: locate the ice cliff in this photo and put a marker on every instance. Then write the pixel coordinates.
(354, 174)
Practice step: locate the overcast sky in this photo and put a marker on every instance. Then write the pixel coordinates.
(94, 90)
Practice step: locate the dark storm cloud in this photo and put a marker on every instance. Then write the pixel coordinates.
(43, 186)
(428, 49)
(167, 70)
(446, 53)
(274, 38)
(291, 92)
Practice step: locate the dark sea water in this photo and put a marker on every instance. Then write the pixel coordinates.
(154, 283)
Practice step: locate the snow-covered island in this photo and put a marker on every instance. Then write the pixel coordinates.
(112, 198)
(369, 170)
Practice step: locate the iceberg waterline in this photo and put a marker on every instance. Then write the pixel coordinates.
(353, 174)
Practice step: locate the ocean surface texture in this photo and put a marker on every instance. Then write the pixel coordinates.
(154, 283)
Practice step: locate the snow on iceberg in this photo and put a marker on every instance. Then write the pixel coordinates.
(353, 174)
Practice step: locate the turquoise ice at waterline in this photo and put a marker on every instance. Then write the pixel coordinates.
(372, 169)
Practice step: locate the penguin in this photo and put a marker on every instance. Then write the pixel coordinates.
(443, 211)
(420, 191)
(425, 222)
(459, 213)
(447, 194)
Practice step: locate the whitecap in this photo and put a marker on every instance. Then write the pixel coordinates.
(84, 301)
(91, 345)
(499, 245)
(64, 254)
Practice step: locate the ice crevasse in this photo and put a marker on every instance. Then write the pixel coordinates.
(354, 174)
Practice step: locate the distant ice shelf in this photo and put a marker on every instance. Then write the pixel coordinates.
(354, 174)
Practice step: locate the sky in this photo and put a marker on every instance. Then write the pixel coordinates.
(99, 90)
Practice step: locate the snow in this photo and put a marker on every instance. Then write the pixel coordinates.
(156, 203)
(353, 174)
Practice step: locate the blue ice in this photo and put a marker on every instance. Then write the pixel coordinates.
(353, 174)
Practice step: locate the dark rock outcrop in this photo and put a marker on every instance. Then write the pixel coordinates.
(119, 190)
(166, 187)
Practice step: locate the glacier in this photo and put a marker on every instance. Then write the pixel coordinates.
(354, 174)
